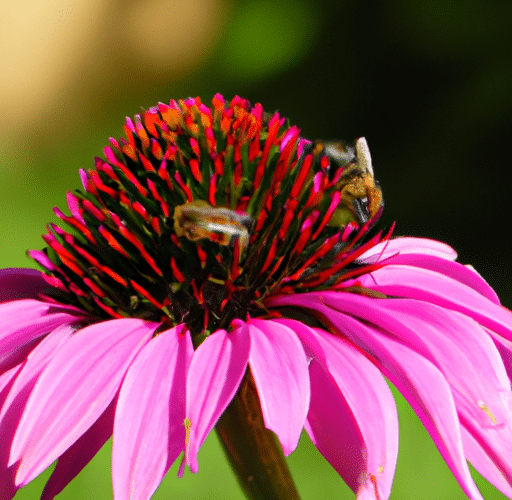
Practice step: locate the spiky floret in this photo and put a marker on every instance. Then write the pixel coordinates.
(202, 213)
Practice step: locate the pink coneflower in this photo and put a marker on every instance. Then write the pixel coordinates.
(221, 271)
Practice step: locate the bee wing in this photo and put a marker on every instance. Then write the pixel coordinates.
(364, 159)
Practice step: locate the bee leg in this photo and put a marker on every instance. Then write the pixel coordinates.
(360, 206)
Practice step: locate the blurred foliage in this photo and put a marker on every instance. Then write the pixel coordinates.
(429, 83)
(265, 37)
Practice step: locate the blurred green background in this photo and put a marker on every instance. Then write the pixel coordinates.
(429, 83)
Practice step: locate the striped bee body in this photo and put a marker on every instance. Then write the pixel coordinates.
(199, 220)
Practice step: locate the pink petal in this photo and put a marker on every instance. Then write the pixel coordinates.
(459, 346)
(7, 486)
(148, 430)
(484, 464)
(19, 391)
(26, 377)
(214, 376)
(21, 283)
(423, 284)
(280, 370)
(463, 274)
(407, 245)
(34, 365)
(453, 342)
(352, 418)
(27, 310)
(76, 457)
(421, 383)
(23, 323)
(470, 361)
(6, 381)
(73, 391)
(429, 395)
(504, 347)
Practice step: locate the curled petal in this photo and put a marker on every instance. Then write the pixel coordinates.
(21, 283)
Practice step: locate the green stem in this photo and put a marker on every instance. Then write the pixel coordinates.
(253, 451)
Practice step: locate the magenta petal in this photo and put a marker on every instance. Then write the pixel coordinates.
(407, 245)
(334, 429)
(470, 361)
(22, 386)
(35, 363)
(215, 373)
(462, 349)
(455, 343)
(483, 464)
(352, 418)
(75, 458)
(463, 274)
(148, 430)
(424, 387)
(423, 284)
(421, 383)
(23, 322)
(7, 426)
(6, 381)
(504, 347)
(280, 370)
(26, 377)
(21, 283)
(15, 387)
(74, 390)
(8, 487)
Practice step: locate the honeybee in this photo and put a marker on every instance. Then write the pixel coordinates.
(198, 220)
(361, 197)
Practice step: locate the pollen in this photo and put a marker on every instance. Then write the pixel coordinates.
(484, 407)
(188, 425)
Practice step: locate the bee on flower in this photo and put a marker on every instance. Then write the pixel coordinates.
(200, 220)
(218, 270)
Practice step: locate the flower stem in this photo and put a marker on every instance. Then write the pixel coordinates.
(253, 451)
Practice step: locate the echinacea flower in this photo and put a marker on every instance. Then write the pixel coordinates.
(218, 270)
